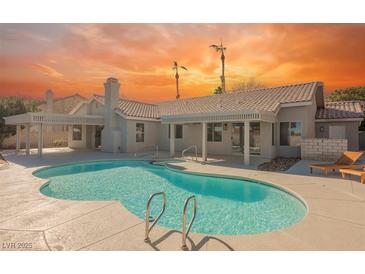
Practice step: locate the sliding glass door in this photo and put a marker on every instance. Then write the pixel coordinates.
(238, 135)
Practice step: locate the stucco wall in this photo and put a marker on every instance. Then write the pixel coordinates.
(88, 132)
(77, 143)
(362, 140)
(63, 105)
(95, 108)
(351, 131)
(303, 114)
(192, 135)
(151, 133)
(267, 149)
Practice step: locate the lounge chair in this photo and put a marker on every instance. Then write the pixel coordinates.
(347, 160)
(354, 171)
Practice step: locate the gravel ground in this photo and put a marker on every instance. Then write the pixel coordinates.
(278, 164)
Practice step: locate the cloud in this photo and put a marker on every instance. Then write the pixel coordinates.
(46, 70)
(141, 56)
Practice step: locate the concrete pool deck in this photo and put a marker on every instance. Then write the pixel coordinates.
(32, 221)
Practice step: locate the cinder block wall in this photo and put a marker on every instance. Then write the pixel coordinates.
(322, 149)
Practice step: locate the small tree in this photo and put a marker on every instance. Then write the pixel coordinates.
(348, 94)
(246, 84)
(13, 106)
(218, 90)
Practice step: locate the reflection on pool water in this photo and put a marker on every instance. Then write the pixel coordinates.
(225, 205)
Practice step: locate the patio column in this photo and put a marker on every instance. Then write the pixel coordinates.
(172, 140)
(40, 139)
(246, 147)
(27, 139)
(204, 141)
(17, 147)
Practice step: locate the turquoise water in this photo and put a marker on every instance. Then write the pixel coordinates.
(225, 206)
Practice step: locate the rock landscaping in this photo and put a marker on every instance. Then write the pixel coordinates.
(278, 164)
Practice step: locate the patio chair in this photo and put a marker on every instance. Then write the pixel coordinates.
(354, 171)
(347, 160)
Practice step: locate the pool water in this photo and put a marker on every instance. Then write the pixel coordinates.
(225, 205)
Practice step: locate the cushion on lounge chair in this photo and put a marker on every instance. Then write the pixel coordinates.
(349, 157)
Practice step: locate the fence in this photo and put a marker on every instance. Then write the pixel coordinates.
(50, 139)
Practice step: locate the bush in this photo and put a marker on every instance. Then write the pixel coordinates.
(59, 143)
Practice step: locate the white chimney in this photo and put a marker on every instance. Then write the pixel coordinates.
(110, 140)
(49, 99)
(111, 93)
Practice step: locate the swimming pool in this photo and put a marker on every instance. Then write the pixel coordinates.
(227, 206)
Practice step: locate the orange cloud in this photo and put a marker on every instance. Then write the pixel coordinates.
(47, 70)
(79, 57)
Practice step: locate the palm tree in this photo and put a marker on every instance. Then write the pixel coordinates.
(176, 68)
(221, 49)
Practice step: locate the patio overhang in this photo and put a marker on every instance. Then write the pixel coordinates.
(42, 118)
(53, 119)
(219, 117)
(265, 116)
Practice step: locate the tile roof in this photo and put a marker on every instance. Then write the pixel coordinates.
(340, 110)
(266, 99)
(135, 109)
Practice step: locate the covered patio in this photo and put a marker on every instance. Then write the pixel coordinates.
(42, 119)
(242, 120)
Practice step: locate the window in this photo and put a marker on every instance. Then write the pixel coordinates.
(295, 133)
(215, 131)
(76, 132)
(178, 131)
(290, 133)
(284, 134)
(139, 132)
(273, 134)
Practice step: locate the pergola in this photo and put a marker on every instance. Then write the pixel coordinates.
(42, 118)
(204, 118)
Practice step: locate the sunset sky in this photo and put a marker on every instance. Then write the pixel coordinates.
(70, 58)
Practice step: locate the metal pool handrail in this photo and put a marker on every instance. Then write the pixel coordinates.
(148, 228)
(185, 231)
(188, 148)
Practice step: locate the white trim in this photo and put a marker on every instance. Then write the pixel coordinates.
(296, 104)
(89, 101)
(76, 108)
(339, 120)
(97, 99)
(53, 119)
(220, 117)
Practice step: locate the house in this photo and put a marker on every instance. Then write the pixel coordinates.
(60, 105)
(52, 133)
(265, 122)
